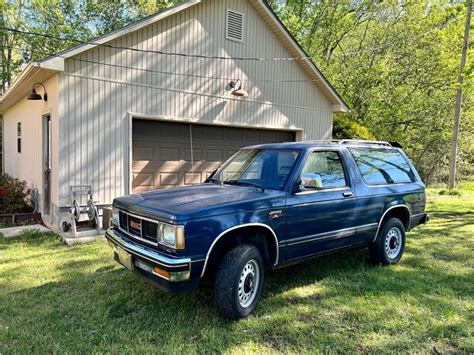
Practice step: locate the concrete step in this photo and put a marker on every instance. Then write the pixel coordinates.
(82, 236)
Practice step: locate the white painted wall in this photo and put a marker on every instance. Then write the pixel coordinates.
(28, 165)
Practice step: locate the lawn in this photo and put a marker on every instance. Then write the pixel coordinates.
(55, 298)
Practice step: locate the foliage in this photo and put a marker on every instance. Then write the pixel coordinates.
(69, 20)
(77, 299)
(450, 192)
(13, 194)
(396, 64)
(345, 128)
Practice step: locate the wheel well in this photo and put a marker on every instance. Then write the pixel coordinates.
(398, 212)
(260, 237)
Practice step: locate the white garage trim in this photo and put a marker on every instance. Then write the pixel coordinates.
(214, 123)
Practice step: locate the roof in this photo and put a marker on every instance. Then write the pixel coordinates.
(55, 63)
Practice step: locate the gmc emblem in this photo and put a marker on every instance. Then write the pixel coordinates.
(136, 225)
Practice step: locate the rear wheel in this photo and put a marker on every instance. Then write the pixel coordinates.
(389, 246)
(239, 282)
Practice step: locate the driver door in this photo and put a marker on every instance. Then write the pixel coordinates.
(321, 214)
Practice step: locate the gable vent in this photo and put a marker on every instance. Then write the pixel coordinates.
(234, 26)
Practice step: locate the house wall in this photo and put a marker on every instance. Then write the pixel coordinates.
(96, 100)
(28, 165)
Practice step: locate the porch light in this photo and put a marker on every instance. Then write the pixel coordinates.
(237, 89)
(35, 96)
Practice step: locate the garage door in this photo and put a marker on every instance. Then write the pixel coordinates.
(161, 154)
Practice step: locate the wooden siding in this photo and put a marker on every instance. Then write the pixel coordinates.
(96, 99)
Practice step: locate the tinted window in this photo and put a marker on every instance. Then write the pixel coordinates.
(382, 166)
(323, 170)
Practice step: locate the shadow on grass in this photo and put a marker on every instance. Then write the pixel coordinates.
(331, 302)
(32, 237)
(112, 306)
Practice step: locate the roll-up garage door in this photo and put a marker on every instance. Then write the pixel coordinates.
(161, 151)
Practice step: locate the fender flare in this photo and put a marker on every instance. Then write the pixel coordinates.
(224, 233)
(385, 213)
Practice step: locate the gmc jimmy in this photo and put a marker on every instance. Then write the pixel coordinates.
(266, 207)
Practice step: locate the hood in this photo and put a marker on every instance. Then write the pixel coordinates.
(199, 201)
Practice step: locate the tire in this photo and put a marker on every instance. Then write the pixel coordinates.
(389, 246)
(239, 282)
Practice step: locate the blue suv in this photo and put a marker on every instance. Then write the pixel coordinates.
(269, 206)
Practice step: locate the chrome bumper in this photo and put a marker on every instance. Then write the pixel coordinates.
(145, 256)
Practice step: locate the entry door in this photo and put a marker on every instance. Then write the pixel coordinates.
(322, 215)
(47, 164)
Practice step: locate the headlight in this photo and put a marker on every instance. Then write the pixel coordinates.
(115, 217)
(172, 236)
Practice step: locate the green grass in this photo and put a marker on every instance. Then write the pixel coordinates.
(55, 298)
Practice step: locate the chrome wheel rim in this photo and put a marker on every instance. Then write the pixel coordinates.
(393, 242)
(248, 283)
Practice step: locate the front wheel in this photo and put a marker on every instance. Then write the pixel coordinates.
(239, 282)
(390, 243)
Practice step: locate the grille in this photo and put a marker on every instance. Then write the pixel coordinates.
(135, 226)
(123, 221)
(150, 231)
(138, 228)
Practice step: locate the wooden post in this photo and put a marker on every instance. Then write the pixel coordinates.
(457, 111)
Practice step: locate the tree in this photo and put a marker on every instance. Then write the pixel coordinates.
(345, 128)
(11, 60)
(395, 63)
(65, 22)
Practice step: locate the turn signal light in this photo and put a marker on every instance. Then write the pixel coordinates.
(161, 272)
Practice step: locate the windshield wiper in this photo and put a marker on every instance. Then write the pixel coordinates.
(245, 183)
(216, 181)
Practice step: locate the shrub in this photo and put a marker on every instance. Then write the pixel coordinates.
(13, 195)
(345, 128)
(450, 192)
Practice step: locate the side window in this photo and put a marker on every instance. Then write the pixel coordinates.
(382, 166)
(18, 137)
(323, 170)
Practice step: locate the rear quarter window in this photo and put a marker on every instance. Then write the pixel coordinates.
(382, 166)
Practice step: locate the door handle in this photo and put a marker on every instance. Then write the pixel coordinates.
(347, 194)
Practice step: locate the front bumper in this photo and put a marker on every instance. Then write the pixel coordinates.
(166, 273)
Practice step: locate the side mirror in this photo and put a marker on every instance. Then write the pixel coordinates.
(305, 183)
(298, 187)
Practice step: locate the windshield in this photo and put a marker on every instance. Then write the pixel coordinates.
(264, 168)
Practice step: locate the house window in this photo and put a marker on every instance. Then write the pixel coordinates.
(18, 137)
(234, 26)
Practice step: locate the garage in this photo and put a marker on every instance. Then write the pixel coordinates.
(162, 157)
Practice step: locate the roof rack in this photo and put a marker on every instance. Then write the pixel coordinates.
(352, 141)
(357, 141)
(349, 141)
